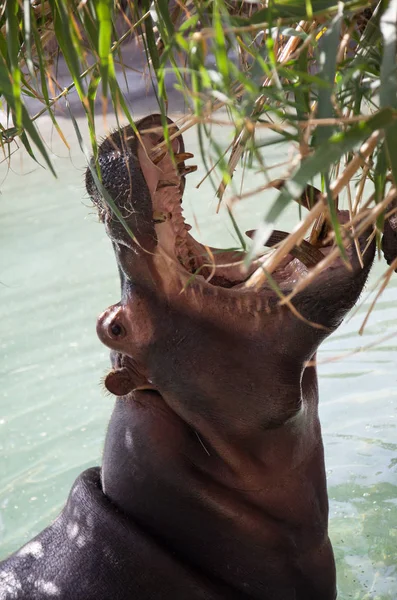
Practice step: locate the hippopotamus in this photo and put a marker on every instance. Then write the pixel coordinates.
(212, 484)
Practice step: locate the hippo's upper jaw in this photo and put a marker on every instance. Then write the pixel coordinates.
(148, 196)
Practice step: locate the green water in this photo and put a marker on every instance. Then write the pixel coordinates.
(57, 273)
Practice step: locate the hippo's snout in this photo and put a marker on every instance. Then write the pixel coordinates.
(111, 327)
(144, 184)
(129, 327)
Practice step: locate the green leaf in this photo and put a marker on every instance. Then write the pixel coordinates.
(6, 88)
(66, 38)
(43, 82)
(236, 228)
(380, 174)
(334, 217)
(380, 182)
(165, 24)
(220, 50)
(302, 95)
(189, 23)
(92, 89)
(34, 134)
(90, 22)
(12, 28)
(388, 78)
(320, 161)
(291, 10)
(104, 13)
(328, 50)
(27, 34)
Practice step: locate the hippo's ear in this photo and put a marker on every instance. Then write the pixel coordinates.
(155, 167)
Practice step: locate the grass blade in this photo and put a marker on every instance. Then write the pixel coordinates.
(320, 161)
(328, 51)
(104, 13)
(388, 77)
(12, 28)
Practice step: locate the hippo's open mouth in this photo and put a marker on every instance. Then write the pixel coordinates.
(160, 259)
(148, 190)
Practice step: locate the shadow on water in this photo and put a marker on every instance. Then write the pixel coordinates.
(58, 273)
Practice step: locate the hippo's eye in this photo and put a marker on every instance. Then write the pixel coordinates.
(117, 330)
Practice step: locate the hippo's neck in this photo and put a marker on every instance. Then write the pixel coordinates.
(257, 523)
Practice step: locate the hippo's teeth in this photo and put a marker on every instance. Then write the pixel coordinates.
(158, 156)
(186, 170)
(179, 158)
(161, 217)
(166, 183)
(182, 156)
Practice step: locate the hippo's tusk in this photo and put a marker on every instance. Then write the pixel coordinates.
(179, 158)
(182, 156)
(186, 170)
(163, 183)
(308, 254)
(156, 158)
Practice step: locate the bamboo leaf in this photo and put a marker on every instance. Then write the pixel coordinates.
(320, 161)
(27, 14)
(236, 228)
(328, 50)
(34, 134)
(334, 217)
(291, 10)
(7, 89)
(189, 23)
(93, 89)
(220, 45)
(66, 39)
(164, 21)
(380, 182)
(301, 92)
(104, 13)
(388, 77)
(11, 8)
(44, 88)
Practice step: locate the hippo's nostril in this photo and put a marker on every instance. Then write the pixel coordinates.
(117, 330)
(110, 327)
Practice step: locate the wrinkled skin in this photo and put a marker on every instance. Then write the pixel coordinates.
(213, 482)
